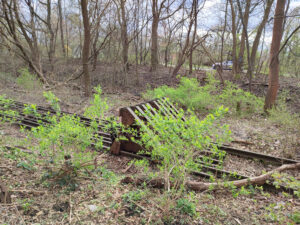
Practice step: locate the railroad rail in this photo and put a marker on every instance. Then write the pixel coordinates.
(136, 115)
(31, 121)
(128, 148)
(129, 117)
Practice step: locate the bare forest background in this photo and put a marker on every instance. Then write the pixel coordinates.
(128, 43)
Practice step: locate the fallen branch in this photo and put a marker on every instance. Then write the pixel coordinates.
(201, 186)
(259, 180)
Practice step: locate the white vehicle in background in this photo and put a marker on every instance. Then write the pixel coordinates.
(226, 65)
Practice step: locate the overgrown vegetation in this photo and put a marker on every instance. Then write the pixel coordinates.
(176, 143)
(28, 80)
(189, 94)
(62, 142)
(62, 152)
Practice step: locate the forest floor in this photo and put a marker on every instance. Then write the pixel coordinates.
(100, 197)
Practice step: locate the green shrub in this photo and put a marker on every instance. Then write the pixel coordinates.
(280, 114)
(295, 217)
(190, 95)
(239, 101)
(175, 143)
(52, 100)
(64, 143)
(27, 80)
(98, 106)
(6, 114)
(186, 207)
(131, 198)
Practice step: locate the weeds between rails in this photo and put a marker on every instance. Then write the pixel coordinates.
(207, 171)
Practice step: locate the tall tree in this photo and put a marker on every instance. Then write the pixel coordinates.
(124, 35)
(86, 48)
(234, 38)
(274, 55)
(258, 36)
(245, 19)
(157, 11)
(60, 15)
(22, 34)
(190, 42)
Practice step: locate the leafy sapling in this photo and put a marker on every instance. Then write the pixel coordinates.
(175, 143)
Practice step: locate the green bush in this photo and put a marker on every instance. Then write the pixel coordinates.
(27, 80)
(186, 207)
(98, 106)
(280, 114)
(64, 143)
(52, 100)
(176, 143)
(190, 95)
(5, 112)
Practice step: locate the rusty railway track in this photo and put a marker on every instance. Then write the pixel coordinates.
(129, 117)
(31, 121)
(135, 116)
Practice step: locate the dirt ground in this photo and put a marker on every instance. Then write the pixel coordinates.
(99, 198)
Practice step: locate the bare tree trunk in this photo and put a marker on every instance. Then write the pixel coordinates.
(124, 36)
(259, 180)
(188, 48)
(52, 35)
(202, 186)
(193, 38)
(61, 28)
(156, 17)
(234, 39)
(243, 38)
(222, 39)
(250, 69)
(16, 30)
(86, 48)
(258, 35)
(274, 55)
(154, 40)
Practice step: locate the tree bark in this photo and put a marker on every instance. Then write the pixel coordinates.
(220, 71)
(274, 56)
(201, 186)
(193, 38)
(250, 69)
(51, 51)
(258, 35)
(124, 36)
(243, 38)
(16, 31)
(156, 17)
(61, 28)
(86, 48)
(234, 39)
(259, 180)
(154, 41)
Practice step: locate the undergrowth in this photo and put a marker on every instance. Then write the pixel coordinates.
(176, 143)
(28, 80)
(189, 94)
